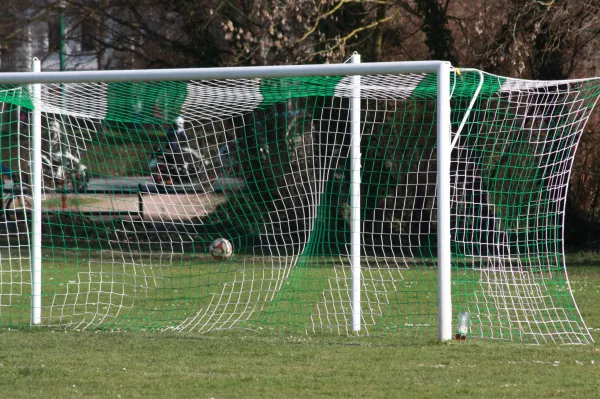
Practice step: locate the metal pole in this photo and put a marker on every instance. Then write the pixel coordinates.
(355, 222)
(367, 68)
(61, 39)
(443, 202)
(36, 192)
(61, 19)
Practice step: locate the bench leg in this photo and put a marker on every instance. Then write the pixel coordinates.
(141, 204)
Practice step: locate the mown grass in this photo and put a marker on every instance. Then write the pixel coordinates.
(226, 364)
(198, 294)
(237, 364)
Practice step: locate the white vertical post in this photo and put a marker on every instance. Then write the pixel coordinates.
(443, 202)
(355, 220)
(36, 193)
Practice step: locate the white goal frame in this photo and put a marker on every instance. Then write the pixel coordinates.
(442, 69)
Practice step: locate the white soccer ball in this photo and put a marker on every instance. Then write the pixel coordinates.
(221, 249)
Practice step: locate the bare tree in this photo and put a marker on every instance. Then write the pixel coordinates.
(543, 40)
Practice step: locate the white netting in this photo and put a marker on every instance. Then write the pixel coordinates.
(133, 197)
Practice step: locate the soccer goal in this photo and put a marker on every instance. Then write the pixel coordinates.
(358, 198)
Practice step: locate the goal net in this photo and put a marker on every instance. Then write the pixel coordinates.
(139, 178)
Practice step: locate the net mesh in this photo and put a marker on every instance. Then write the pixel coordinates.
(140, 178)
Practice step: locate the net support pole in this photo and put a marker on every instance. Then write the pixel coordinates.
(36, 193)
(443, 202)
(355, 222)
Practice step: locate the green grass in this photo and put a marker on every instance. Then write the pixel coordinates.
(53, 363)
(101, 294)
(225, 365)
(199, 294)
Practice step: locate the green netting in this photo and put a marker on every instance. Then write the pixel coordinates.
(149, 102)
(130, 209)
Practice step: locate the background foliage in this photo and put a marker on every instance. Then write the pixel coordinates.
(554, 39)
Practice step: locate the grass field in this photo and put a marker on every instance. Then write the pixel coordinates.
(52, 363)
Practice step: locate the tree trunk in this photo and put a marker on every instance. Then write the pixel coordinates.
(378, 36)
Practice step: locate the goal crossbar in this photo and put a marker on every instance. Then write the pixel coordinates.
(253, 72)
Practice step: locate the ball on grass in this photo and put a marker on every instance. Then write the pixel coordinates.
(221, 249)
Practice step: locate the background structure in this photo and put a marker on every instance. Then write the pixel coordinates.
(518, 38)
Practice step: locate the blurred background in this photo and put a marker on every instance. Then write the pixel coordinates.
(543, 40)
